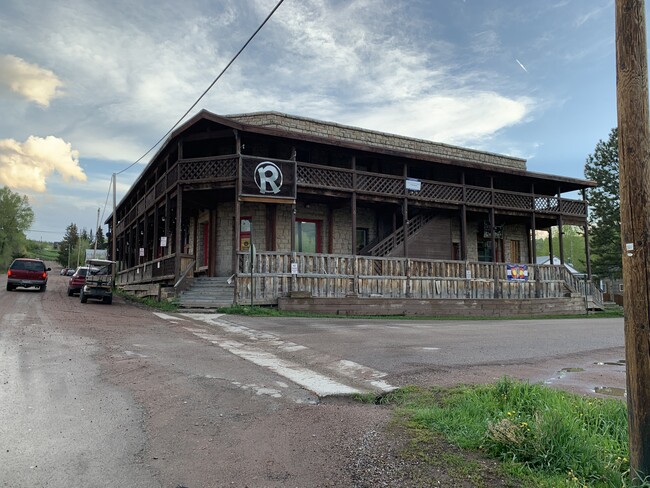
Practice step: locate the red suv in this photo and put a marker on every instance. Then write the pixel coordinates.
(78, 279)
(27, 273)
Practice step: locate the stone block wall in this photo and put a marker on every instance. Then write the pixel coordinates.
(342, 133)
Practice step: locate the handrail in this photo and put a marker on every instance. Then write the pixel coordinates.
(184, 273)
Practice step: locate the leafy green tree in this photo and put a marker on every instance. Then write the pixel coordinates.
(604, 203)
(16, 217)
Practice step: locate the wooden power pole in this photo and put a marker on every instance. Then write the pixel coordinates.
(633, 152)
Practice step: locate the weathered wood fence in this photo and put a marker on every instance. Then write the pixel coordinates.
(335, 276)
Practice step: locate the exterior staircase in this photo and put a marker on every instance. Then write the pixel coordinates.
(205, 292)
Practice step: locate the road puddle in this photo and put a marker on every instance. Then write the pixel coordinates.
(610, 391)
(620, 362)
(571, 370)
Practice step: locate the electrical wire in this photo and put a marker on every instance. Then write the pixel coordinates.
(207, 89)
(110, 185)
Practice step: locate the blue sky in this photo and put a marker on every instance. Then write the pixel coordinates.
(88, 86)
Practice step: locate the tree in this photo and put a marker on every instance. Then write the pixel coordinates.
(604, 203)
(101, 241)
(66, 248)
(16, 217)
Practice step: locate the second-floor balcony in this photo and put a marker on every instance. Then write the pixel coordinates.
(222, 171)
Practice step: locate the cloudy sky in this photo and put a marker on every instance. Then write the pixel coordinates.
(88, 86)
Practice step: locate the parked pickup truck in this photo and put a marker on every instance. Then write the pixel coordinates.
(27, 272)
(99, 281)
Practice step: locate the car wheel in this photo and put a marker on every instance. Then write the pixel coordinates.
(83, 297)
(108, 300)
(9, 287)
(70, 292)
(42, 288)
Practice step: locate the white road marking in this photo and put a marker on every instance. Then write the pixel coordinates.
(167, 317)
(349, 369)
(321, 385)
(252, 346)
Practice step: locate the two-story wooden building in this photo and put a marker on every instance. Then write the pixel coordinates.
(338, 212)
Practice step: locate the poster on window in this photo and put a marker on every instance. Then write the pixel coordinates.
(517, 272)
(245, 234)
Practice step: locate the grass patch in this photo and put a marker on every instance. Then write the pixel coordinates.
(541, 436)
(163, 306)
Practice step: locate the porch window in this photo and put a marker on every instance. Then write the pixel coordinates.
(308, 236)
(484, 248)
(362, 237)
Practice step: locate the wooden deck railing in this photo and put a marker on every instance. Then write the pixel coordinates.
(332, 275)
(161, 269)
(224, 168)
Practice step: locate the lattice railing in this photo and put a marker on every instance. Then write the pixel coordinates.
(440, 192)
(150, 198)
(513, 200)
(477, 196)
(322, 177)
(172, 176)
(208, 169)
(161, 186)
(573, 207)
(546, 204)
(384, 185)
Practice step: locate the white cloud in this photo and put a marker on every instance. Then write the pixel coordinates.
(452, 119)
(27, 165)
(29, 80)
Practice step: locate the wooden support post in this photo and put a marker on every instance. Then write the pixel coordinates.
(354, 205)
(179, 230)
(533, 228)
(560, 233)
(560, 222)
(634, 161)
(463, 221)
(405, 214)
(550, 245)
(586, 229)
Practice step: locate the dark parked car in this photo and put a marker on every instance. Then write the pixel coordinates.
(27, 273)
(99, 282)
(78, 279)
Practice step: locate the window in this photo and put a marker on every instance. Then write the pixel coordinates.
(484, 248)
(362, 238)
(308, 236)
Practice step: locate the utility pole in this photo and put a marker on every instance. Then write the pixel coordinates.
(634, 172)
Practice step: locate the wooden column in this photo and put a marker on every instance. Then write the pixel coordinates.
(179, 230)
(634, 161)
(463, 220)
(533, 228)
(550, 245)
(168, 219)
(586, 229)
(405, 215)
(330, 230)
(492, 221)
(156, 232)
(560, 230)
(237, 223)
(354, 205)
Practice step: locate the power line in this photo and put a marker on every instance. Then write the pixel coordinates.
(207, 89)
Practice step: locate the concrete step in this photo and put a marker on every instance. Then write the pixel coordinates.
(208, 293)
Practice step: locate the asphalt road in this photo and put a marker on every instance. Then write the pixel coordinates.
(101, 395)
